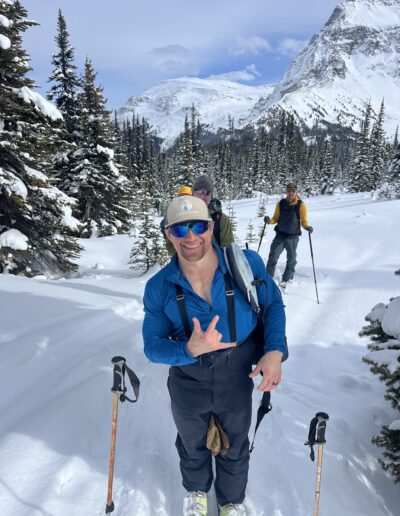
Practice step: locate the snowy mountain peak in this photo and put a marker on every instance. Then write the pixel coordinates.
(166, 104)
(355, 58)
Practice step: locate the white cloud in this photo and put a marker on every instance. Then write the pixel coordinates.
(249, 46)
(290, 46)
(248, 74)
(170, 51)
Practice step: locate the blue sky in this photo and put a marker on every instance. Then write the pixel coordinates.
(135, 44)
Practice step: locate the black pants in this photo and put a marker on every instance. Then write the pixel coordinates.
(279, 243)
(218, 383)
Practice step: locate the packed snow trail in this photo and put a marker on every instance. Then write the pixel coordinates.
(57, 338)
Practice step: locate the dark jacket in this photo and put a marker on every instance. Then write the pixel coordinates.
(288, 217)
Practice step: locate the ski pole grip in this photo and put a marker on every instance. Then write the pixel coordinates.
(119, 364)
(322, 418)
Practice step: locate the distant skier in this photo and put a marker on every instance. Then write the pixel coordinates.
(188, 325)
(290, 213)
(203, 188)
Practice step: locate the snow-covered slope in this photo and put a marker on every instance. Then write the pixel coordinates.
(353, 59)
(57, 339)
(166, 104)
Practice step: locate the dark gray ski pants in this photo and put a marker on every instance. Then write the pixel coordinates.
(218, 383)
(279, 243)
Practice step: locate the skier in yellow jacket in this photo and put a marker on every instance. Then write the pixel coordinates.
(290, 213)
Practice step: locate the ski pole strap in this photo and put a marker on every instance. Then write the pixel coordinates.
(263, 409)
(316, 433)
(120, 367)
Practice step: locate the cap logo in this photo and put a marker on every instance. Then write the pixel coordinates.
(186, 206)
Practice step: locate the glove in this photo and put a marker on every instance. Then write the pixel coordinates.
(267, 220)
(310, 229)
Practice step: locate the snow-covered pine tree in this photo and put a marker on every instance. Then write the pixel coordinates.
(361, 167)
(232, 218)
(384, 361)
(262, 206)
(149, 249)
(393, 174)
(66, 84)
(378, 150)
(34, 214)
(250, 235)
(185, 172)
(327, 175)
(99, 186)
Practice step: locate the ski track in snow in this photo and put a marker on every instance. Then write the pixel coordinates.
(57, 339)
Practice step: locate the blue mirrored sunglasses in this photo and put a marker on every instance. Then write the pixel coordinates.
(181, 230)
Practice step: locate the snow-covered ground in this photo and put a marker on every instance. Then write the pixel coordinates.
(57, 339)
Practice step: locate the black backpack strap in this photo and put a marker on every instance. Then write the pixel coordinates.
(182, 310)
(216, 216)
(230, 300)
(263, 409)
(297, 208)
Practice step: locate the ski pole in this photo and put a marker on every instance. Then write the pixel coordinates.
(312, 259)
(316, 435)
(119, 391)
(262, 233)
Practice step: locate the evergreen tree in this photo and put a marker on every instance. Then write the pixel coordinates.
(393, 174)
(34, 214)
(327, 175)
(361, 177)
(233, 219)
(149, 248)
(96, 180)
(384, 351)
(262, 206)
(250, 235)
(378, 150)
(185, 162)
(66, 84)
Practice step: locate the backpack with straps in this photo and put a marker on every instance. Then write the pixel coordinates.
(216, 215)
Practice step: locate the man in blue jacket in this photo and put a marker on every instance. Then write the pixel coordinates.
(210, 373)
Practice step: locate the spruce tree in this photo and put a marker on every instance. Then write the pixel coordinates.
(185, 162)
(65, 89)
(327, 176)
(361, 166)
(383, 358)
(393, 174)
(34, 214)
(96, 180)
(233, 219)
(250, 235)
(149, 249)
(262, 206)
(378, 150)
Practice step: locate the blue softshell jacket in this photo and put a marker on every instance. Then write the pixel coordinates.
(164, 336)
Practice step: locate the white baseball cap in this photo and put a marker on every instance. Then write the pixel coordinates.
(185, 209)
